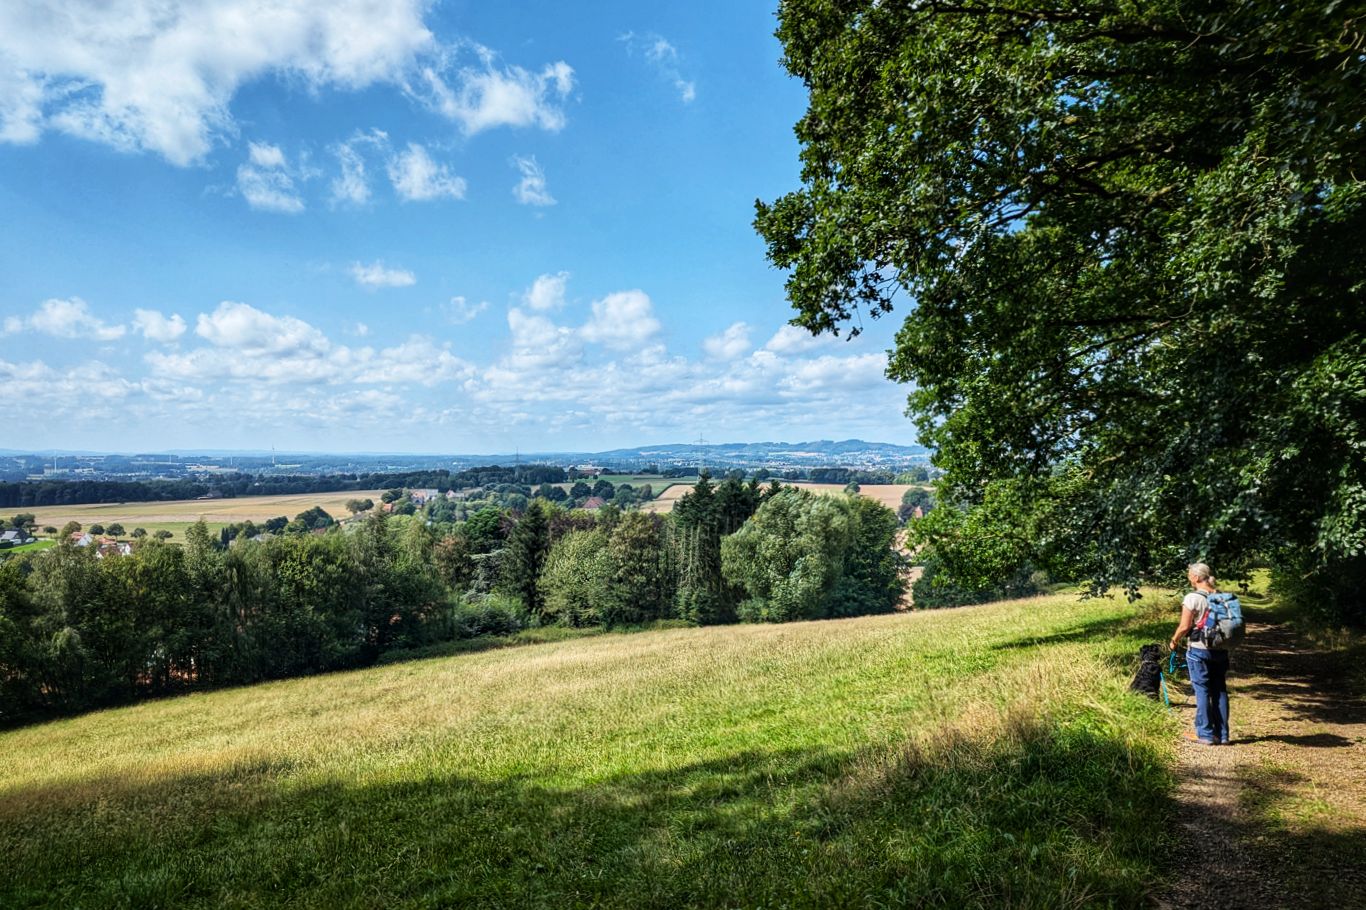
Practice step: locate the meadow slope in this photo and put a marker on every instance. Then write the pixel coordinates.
(972, 757)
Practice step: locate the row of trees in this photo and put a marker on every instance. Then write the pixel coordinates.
(27, 494)
(78, 631)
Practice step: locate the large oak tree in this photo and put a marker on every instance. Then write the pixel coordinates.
(1127, 237)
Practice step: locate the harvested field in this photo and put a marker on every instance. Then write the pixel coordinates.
(183, 512)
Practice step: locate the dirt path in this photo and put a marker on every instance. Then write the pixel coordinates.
(1277, 818)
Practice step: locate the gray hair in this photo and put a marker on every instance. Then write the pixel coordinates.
(1200, 571)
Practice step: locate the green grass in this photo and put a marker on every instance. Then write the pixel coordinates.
(978, 757)
(29, 547)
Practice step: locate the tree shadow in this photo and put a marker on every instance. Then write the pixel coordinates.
(1088, 631)
(1312, 740)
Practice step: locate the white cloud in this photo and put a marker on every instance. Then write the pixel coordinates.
(375, 275)
(417, 178)
(622, 320)
(70, 318)
(259, 349)
(531, 189)
(415, 362)
(828, 373)
(460, 311)
(265, 180)
(159, 75)
(253, 332)
(728, 345)
(39, 392)
(493, 95)
(156, 327)
(538, 343)
(352, 185)
(665, 59)
(546, 292)
(790, 339)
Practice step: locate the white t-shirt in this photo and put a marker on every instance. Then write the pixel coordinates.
(1198, 604)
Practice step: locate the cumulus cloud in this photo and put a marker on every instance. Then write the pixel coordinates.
(829, 373)
(531, 189)
(728, 345)
(418, 361)
(69, 318)
(377, 275)
(417, 178)
(266, 180)
(257, 348)
(622, 320)
(255, 333)
(665, 60)
(538, 343)
(546, 292)
(37, 391)
(159, 75)
(155, 326)
(460, 311)
(491, 94)
(790, 339)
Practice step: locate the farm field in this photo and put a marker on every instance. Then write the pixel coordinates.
(177, 515)
(889, 494)
(989, 753)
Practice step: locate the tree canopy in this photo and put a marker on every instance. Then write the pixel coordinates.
(1126, 237)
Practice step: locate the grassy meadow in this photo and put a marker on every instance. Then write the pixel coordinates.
(986, 756)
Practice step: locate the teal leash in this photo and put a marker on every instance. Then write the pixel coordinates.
(1172, 668)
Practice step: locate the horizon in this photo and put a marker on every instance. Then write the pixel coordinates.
(478, 229)
(914, 447)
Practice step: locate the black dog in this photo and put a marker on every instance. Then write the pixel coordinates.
(1149, 675)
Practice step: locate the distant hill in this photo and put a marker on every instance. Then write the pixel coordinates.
(847, 453)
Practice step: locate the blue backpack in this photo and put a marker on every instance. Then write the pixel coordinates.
(1221, 627)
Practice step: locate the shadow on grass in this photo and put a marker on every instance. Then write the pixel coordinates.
(1059, 817)
(1094, 630)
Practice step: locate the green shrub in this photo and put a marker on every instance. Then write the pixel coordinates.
(494, 614)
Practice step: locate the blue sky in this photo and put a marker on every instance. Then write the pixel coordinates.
(404, 226)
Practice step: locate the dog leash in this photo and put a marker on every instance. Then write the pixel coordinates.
(1172, 667)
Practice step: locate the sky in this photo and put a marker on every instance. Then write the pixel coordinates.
(405, 226)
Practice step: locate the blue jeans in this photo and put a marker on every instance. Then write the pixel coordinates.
(1208, 669)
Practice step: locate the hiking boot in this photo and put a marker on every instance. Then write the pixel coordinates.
(1191, 737)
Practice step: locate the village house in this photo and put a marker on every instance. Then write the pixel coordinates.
(15, 537)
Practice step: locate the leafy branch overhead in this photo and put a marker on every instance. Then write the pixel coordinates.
(1126, 238)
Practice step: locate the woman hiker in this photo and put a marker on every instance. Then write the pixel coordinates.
(1207, 666)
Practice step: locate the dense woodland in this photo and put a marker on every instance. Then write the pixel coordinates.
(78, 631)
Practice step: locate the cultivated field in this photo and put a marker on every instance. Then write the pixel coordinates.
(177, 515)
(987, 756)
(889, 494)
